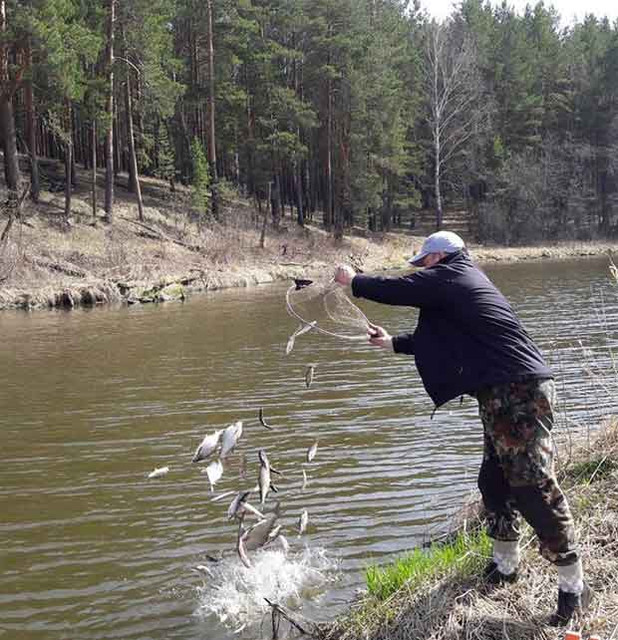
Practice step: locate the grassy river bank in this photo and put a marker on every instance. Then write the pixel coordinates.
(438, 593)
(169, 255)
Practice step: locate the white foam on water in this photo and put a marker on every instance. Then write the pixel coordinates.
(235, 593)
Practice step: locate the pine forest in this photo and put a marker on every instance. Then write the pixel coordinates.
(348, 114)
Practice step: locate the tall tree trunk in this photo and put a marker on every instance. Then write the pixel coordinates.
(328, 220)
(93, 150)
(109, 110)
(68, 163)
(132, 155)
(35, 183)
(212, 149)
(7, 120)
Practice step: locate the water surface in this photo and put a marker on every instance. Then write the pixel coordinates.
(92, 400)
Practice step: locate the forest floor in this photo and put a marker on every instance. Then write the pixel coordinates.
(172, 253)
(451, 601)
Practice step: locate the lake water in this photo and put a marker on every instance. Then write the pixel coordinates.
(93, 400)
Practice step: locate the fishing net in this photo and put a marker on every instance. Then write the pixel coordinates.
(324, 307)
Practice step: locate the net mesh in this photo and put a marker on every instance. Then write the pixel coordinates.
(326, 307)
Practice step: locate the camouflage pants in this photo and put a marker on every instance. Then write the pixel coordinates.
(517, 474)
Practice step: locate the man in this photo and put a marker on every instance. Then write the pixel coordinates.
(468, 340)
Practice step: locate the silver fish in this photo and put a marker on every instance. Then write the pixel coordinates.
(159, 472)
(258, 534)
(202, 569)
(230, 437)
(214, 471)
(309, 373)
(264, 475)
(304, 479)
(313, 449)
(302, 522)
(285, 545)
(225, 494)
(303, 328)
(261, 419)
(208, 445)
(240, 546)
(251, 509)
(236, 503)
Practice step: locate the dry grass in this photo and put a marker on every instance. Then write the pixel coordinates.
(45, 263)
(459, 606)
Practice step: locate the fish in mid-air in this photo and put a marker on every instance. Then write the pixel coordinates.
(208, 445)
(313, 449)
(231, 435)
(259, 534)
(264, 482)
(302, 522)
(261, 419)
(214, 471)
(303, 328)
(159, 472)
(309, 373)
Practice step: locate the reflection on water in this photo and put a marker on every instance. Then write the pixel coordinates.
(91, 401)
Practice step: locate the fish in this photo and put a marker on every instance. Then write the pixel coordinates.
(285, 545)
(202, 569)
(208, 445)
(264, 482)
(301, 283)
(261, 419)
(159, 472)
(214, 471)
(302, 522)
(225, 494)
(311, 451)
(304, 479)
(258, 534)
(240, 545)
(309, 372)
(236, 503)
(231, 435)
(303, 328)
(239, 506)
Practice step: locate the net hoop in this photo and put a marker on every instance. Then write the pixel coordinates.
(314, 326)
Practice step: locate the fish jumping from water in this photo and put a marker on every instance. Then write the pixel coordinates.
(313, 449)
(264, 482)
(309, 373)
(302, 522)
(208, 445)
(231, 435)
(214, 471)
(261, 419)
(258, 534)
(303, 328)
(159, 472)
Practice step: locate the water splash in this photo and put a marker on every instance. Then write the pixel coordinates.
(235, 594)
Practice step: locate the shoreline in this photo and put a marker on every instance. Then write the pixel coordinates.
(169, 255)
(69, 287)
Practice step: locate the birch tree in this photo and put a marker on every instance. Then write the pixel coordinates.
(453, 90)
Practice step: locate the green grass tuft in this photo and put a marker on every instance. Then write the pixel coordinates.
(591, 470)
(465, 555)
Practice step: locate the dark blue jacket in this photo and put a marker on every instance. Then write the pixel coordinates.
(467, 336)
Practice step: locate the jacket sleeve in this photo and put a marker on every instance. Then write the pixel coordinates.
(415, 290)
(404, 343)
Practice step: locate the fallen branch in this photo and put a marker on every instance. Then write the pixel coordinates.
(67, 269)
(300, 623)
(159, 235)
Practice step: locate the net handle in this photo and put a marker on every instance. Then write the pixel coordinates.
(314, 327)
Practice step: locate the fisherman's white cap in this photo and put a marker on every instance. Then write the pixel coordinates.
(446, 241)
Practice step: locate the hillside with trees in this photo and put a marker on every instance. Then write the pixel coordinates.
(353, 114)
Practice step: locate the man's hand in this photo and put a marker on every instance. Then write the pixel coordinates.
(379, 337)
(344, 274)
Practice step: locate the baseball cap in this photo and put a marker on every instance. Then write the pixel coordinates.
(446, 241)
